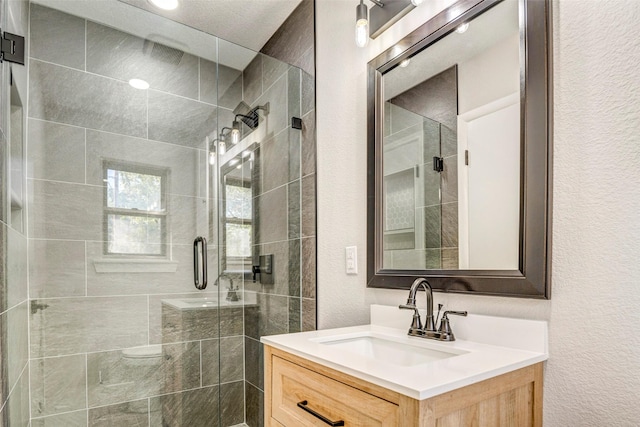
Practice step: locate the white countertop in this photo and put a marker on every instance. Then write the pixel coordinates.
(486, 346)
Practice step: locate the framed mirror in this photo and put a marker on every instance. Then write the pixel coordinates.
(459, 153)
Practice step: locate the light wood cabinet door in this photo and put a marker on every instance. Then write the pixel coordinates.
(296, 388)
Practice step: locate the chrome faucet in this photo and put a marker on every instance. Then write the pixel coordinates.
(444, 332)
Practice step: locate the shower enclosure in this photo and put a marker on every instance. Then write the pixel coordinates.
(145, 140)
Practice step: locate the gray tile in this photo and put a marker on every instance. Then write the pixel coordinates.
(130, 414)
(272, 70)
(308, 93)
(3, 167)
(16, 264)
(71, 419)
(231, 359)
(57, 268)
(308, 144)
(307, 62)
(56, 37)
(293, 199)
(433, 226)
(252, 80)
(402, 119)
(5, 387)
(79, 325)
(180, 121)
(220, 85)
(431, 181)
(181, 163)
(210, 362)
(156, 305)
(275, 161)
(295, 321)
(295, 142)
(254, 403)
(56, 152)
(294, 37)
(294, 90)
(308, 314)
(449, 141)
(254, 363)
(73, 97)
(277, 119)
(308, 263)
(123, 56)
(132, 282)
(450, 225)
(16, 410)
(15, 336)
(65, 211)
(232, 403)
(197, 324)
(274, 315)
(309, 205)
(450, 259)
(450, 180)
(294, 269)
(58, 384)
(4, 305)
(115, 376)
(197, 407)
(271, 218)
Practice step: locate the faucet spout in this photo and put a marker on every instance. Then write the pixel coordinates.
(429, 322)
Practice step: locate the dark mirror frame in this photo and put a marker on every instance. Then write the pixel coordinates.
(533, 278)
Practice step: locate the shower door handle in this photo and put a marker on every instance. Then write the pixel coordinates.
(200, 262)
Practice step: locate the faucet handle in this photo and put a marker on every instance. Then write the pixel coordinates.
(416, 323)
(445, 327)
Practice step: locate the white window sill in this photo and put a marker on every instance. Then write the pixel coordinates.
(106, 265)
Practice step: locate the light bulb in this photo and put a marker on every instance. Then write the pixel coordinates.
(212, 158)
(222, 148)
(139, 84)
(416, 2)
(235, 136)
(462, 28)
(165, 4)
(235, 132)
(362, 24)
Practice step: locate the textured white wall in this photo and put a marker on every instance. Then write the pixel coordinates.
(593, 375)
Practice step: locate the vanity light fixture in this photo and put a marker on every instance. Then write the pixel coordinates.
(383, 15)
(165, 4)
(139, 84)
(362, 24)
(211, 145)
(462, 28)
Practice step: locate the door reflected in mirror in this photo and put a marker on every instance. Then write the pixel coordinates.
(451, 150)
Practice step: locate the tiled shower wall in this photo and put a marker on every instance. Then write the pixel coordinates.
(82, 319)
(437, 119)
(286, 200)
(14, 308)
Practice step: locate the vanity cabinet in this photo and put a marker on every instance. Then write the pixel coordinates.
(295, 387)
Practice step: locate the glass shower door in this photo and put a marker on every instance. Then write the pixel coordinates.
(120, 185)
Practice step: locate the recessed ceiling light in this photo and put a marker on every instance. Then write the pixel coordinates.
(139, 84)
(165, 4)
(462, 28)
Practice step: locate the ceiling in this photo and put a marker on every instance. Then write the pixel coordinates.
(249, 23)
(484, 32)
(229, 32)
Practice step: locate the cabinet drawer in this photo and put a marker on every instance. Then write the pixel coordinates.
(292, 384)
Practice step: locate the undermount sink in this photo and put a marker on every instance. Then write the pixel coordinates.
(387, 349)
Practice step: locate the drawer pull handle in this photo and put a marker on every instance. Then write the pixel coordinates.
(304, 406)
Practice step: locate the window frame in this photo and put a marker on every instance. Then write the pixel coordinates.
(162, 215)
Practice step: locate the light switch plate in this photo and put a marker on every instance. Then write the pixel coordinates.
(351, 258)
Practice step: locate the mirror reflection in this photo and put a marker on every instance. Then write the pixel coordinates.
(451, 150)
